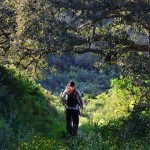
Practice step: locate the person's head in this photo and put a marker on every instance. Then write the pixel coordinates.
(72, 84)
(70, 87)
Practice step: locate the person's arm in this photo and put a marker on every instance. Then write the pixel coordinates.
(64, 93)
(81, 102)
(80, 99)
(62, 96)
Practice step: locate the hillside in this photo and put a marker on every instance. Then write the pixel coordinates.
(89, 78)
(27, 111)
(102, 45)
(32, 118)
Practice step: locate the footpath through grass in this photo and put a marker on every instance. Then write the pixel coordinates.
(34, 119)
(114, 120)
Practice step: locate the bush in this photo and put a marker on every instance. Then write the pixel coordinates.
(88, 81)
(27, 109)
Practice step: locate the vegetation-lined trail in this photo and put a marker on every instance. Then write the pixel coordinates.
(103, 45)
(33, 119)
(107, 123)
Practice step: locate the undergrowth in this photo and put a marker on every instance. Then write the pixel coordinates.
(32, 118)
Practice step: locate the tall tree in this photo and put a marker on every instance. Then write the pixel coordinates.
(106, 27)
(110, 21)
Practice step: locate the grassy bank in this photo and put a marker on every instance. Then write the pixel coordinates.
(32, 118)
(27, 112)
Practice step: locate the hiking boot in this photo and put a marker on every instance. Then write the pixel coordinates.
(75, 129)
(69, 134)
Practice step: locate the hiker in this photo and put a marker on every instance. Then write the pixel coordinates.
(72, 103)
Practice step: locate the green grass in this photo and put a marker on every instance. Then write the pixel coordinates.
(32, 118)
(107, 121)
(27, 111)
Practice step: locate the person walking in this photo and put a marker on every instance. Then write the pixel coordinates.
(72, 103)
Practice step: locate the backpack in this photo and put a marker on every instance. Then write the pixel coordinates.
(71, 100)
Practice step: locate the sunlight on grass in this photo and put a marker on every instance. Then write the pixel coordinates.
(41, 143)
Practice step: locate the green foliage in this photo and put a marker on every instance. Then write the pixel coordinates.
(90, 82)
(32, 29)
(2, 123)
(96, 141)
(116, 104)
(27, 109)
(32, 118)
(120, 116)
(90, 141)
(40, 143)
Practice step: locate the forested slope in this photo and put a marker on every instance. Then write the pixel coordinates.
(117, 32)
(27, 110)
(32, 118)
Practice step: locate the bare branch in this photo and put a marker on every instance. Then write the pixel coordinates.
(86, 50)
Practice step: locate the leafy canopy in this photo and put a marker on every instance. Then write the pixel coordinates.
(31, 29)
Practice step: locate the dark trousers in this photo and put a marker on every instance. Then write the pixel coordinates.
(72, 120)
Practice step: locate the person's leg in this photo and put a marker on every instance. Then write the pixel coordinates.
(68, 121)
(75, 117)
